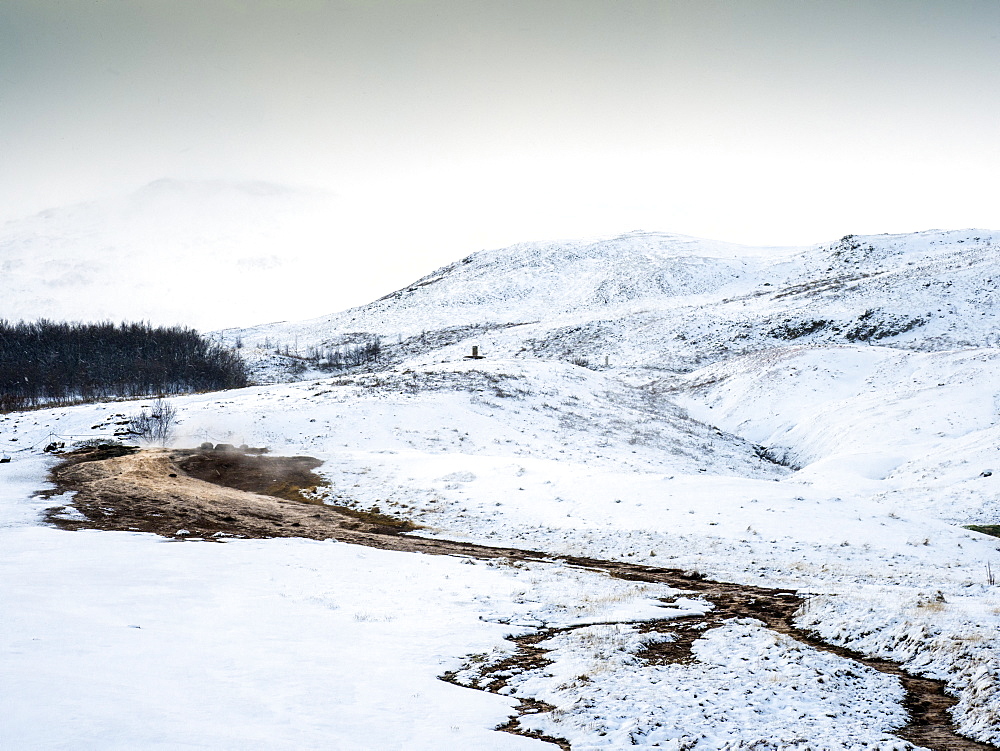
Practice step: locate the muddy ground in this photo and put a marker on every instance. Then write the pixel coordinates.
(207, 494)
(214, 494)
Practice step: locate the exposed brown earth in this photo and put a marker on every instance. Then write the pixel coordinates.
(210, 494)
(205, 494)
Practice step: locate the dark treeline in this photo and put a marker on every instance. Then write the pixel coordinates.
(46, 362)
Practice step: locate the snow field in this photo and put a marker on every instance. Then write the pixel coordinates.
(124, 641)
(749, 685)
(506, 453)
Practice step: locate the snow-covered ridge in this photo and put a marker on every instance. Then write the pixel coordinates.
(677, 302)
(529, 281)
(572, 275)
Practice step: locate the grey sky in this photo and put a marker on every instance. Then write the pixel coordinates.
(770, 120)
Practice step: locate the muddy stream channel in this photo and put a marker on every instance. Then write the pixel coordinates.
(219, 492)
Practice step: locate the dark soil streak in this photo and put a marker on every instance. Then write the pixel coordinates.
(530, 706)
(160, 492)
(528, 656)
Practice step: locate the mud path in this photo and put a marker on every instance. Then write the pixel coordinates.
(213, 495)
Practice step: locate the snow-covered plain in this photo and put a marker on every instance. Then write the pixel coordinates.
(716, 367)
(124, 641)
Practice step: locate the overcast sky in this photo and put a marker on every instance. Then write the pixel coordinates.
(474, 123)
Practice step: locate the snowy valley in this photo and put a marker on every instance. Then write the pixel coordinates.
(819, 419)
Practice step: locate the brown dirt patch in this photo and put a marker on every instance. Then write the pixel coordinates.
(169, 493)
(255, 473)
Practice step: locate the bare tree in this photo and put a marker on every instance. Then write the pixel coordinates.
(155, 424)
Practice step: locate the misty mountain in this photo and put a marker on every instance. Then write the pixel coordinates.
(202, 253)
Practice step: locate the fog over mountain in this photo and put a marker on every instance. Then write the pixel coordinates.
(203, 254)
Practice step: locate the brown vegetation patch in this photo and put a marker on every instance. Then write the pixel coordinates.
(287, 477)
(985, 529)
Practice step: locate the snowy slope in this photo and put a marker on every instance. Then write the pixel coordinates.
(673, 302)
(554, 457)
(920, 429)
(926, 290)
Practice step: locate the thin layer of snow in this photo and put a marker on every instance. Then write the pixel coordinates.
(795, 696)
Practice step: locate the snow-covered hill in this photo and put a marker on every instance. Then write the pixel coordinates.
(675, 303)
(867, 366)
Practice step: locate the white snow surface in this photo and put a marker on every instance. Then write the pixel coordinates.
(124, 640)
(747, 682)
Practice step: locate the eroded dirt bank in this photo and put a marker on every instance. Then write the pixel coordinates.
(213, 495)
